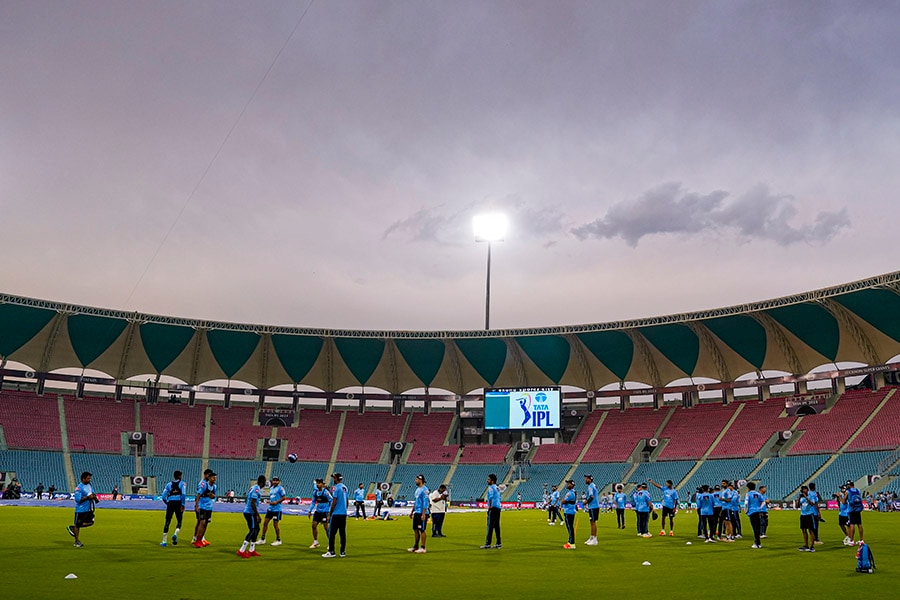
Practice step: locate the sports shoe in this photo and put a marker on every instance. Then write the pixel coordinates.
(671, 534)
(254, 553)
(261, 542)
(343, 555)
(78, 544)
(486, 547)
(329, 555)
(314, 545)
(196, 544)
(204, 543)
(411, 549)
(276, 543)
(663, 532)
(803, 549)
(163, 544)
(818, 542)
(647, 535)
(569, 546)
(243, 554)
(175, 540)
(738, 536)
(71, 530)
(755, 546)
(710, 541)
(551, 523)
(763, 536)
(811, 549)
(497, 546)
(420, 551)
(700, 537)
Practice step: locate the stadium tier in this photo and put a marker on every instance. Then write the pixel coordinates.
(605, 474)
(484, 454)
(313, 437)
(364, 435)
(30, 421)
(177, 429)
(163, 467)
(539, 476)
(427, 434)
(236, 475)
(96, 424)
(659, 472)
(32, 467)
(620, 433)
(882, 432)
(107, 470)
(364, 473)
(691, 431)
(232, 433)
(711, 472)
(405, 475)
(829, 431)
(299, 478)
(752, 428)
(783, 475)
(568, 453)
(851, 466)
(470, 481)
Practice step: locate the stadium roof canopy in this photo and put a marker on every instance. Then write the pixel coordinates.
(857, 322)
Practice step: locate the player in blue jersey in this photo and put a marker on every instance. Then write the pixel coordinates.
(670, 505)
(734, 510)
(570, 508)
(763, 512)
(753, 503)
(359, 501)
(843, 516)
(85, 499)
(553, 505)
(419, 515)
(620, 500)
(592, 506)
(251, 515)
(716, 494)
(706, 509)
(725, 498)
(337, 516)
(379, 502)
(318, 510)
(807, 514)
(855, 505)
(203, 507)
(643, 506)
(814, 499)
(493, 513)
(277, 495)
(174, 497)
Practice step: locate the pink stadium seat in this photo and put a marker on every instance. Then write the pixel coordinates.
(692, 430)
(313, 438)
(30, 421)
(752, 428)
(568, 453)
(233, 435)
(620, 432)
(484, 454)
(177, 429)
(882, 432)
(364, 435)
(427, 434)
(828, 432)
(96, 424)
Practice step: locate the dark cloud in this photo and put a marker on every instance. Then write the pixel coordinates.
(669, 208)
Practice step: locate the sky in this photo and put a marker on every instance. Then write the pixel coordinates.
(318, 163)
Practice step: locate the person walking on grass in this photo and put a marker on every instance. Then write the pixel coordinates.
(337, 516)
(175, 498)
(318, 510)
(419, 516)
(493, 514)
(85, 500)
(251, 515)
(753, 503)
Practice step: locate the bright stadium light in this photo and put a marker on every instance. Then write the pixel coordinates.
(489, 228)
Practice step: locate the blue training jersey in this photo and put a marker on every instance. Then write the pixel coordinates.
(321, 500)
(275, 494)
(359, 495)
(177, 492)
(554, 498)
(620, 499)
(593, 496)
(670, 497)
(753, 502)
(377, 495)
(705, 503)
(735, 504)
(82, 503)
(765, 503)
(422, 502)
(493, 496)
(207, 493)
(843, 509)
(570, 503)
(717, 499)
(254, 493)
(642, 501)
(339, 493)
(806, 507)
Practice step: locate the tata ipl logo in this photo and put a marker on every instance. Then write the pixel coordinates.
(535, 411)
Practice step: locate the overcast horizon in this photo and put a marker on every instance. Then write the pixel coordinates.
(653, 158)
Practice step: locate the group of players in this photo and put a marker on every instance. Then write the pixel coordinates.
(718, 508)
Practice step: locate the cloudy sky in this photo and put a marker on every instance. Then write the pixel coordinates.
(318, 164)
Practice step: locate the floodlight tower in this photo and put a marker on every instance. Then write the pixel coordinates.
(489, 228)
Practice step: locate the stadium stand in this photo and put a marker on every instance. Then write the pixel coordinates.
(659, 472)
(236, 475)
(405, 475)
(620, 432)
(712, 472)
(299, 478)
(364, 435)
(470, 481)
(828, 432)
(427, 434)
(484, 454)
(177, 429)
(849, 466)
(785, 474)
(107, 470)
(540, 475)
(30, 421)
(364, 473)
(882, 432)
(568, 453)
(313, 437)
(163, 467)
(752, 428)
(32, 468)
(232, 433)
(97, 424)
(691, 431)
(605, 474)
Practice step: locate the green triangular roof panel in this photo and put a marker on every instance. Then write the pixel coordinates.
(742, 334)
(812, 324)
(486, 355)
(18, 324)
(677, 342)
(549, 352)
(878, 307)
(297, 353)
(92, 335)
(424, 357)
(232, 349)
(361, 355)
(163, 343)
(612, 348)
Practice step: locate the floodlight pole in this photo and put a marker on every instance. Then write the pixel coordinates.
(487, 291)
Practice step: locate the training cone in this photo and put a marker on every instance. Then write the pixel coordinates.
(646, 563)
(688, 544)
(71, 576)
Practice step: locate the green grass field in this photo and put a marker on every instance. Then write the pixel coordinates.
(122, 556)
